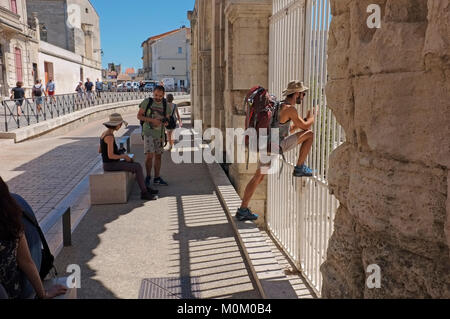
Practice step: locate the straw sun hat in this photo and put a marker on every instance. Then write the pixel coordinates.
(115, 120)
(294, 87)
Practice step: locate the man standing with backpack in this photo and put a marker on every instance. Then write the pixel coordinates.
(287, 113)
(153, 114)
(37, 92)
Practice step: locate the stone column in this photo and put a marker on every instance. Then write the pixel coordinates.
(195, 81)
(218, 66)
(390, 90)
(246, 56)
(205, 59)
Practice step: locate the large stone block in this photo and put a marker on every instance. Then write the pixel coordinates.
(339, 172)
(447, 224)
(339, 7)
(389, 48)
(403, 202)
(341, 101)
(392, 176)
(406, 11)
(403, 115)
(404, 274)
(343, 271)
(338, 47)
(437, 42)
(111, 187)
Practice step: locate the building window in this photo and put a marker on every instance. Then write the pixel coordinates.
(43, 32)
(173, 68)
(13, 6)
(87, 10)
(19, 71)
(180, 50)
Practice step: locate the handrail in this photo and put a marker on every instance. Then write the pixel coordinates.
(66, 224)
(31, 111)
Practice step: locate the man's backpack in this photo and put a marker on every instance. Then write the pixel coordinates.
(172, 120)
(262, 112)
(163, 131)
(37, 91)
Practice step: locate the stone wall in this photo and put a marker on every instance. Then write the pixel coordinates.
(390, 89)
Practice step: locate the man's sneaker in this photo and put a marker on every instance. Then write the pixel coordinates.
(159, 181)
(152, 191)
(302, 171)
(148, 196)
(245, 214)
(148, 180)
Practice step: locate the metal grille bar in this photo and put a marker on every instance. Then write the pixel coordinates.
(301, 211)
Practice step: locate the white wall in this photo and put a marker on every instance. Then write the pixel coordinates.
(66, 68)
(165, 56)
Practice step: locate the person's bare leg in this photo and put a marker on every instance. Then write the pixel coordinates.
(306, 139)
(251, 188)
(157, 165)
(171, 138)
(149, 163)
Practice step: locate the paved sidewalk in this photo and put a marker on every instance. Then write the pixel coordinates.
(45, 170)
(181, 246)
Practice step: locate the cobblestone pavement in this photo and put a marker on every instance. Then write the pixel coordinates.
(46, 169)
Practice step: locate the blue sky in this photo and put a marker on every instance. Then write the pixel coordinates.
(124, 25)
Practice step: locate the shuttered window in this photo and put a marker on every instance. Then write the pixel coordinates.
(19, 70)
(14, 6)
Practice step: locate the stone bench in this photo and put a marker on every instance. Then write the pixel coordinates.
(111, 187)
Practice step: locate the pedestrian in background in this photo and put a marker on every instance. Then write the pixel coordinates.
(18, 95)
(80, 91)
(51, 90)
(174, 111)
(99, 88)
(88, 87)
(37, 92)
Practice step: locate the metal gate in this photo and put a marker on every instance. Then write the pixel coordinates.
(300, 212)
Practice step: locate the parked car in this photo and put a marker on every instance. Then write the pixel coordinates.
(148, 87)
(135, 86)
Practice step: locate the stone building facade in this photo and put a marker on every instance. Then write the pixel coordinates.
(168, 56)
(390, 90)
(70, 48)
(230, 48)
(18, 47)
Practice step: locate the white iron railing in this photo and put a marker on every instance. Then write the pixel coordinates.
(301, 211)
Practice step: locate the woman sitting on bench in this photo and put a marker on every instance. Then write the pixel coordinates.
(114, 161)
(15, 254)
